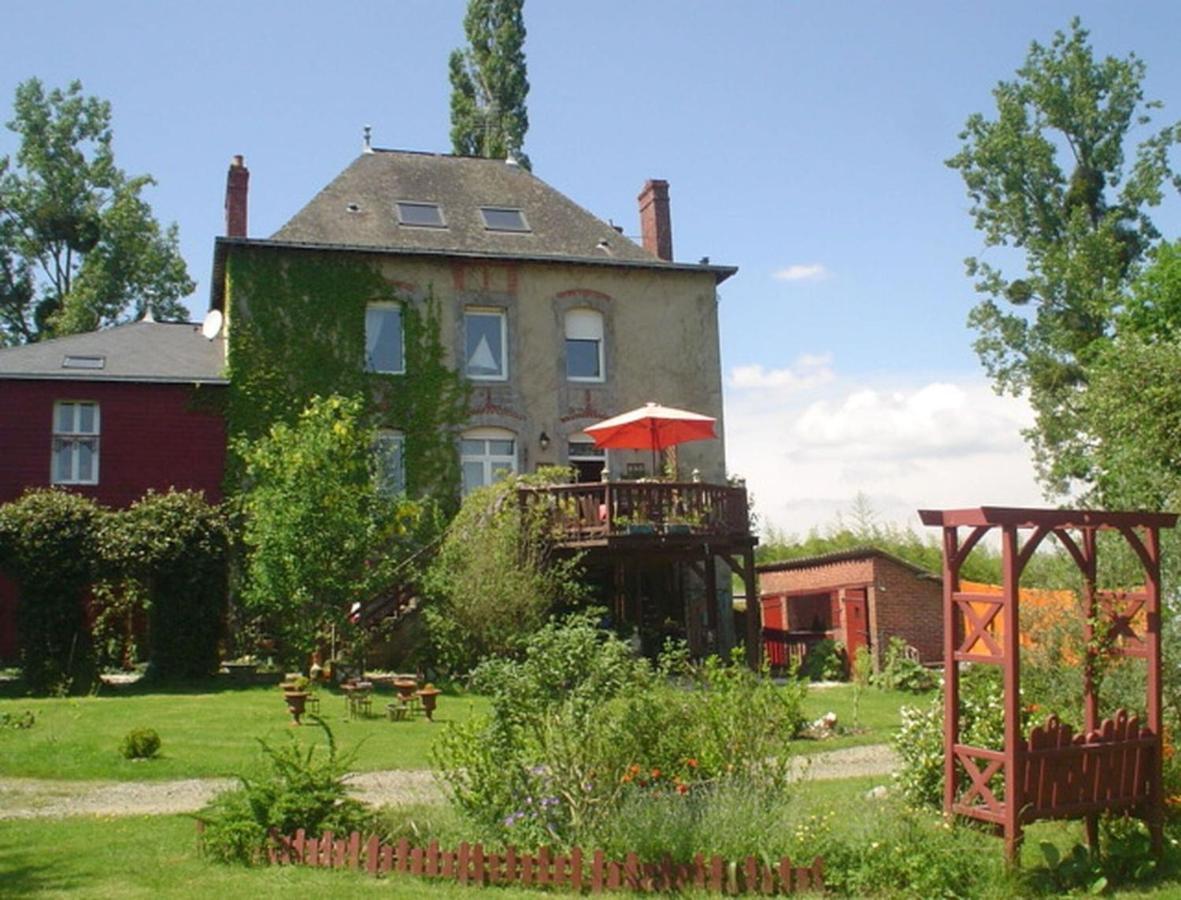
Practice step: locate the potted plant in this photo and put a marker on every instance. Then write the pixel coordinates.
(429, 695)
(295, 694)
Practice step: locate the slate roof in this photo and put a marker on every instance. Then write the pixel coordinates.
(357, 213)
(141, 351)
(358, 208)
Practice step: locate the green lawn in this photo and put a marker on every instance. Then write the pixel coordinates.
(157, 856)
(206, 731)
(877, 720)
(210, 730)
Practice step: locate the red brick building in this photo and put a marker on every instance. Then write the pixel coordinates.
(111, 414)
(860, 597)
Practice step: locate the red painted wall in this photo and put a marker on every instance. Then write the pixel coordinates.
(150, 438)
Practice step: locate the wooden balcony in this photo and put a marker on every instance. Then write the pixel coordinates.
(611, 512)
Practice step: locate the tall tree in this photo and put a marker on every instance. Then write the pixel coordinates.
(488, 83)
(79, 246)
(1049, 177)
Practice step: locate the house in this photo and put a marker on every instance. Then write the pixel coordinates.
(111, 414)
(410, 263)
(860, 597)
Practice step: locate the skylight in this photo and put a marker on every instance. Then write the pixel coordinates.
(84, 362)
(501, 218)
(426, 215)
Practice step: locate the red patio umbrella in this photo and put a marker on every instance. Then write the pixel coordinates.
(652, 427)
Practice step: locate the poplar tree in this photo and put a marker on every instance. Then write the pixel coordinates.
(1056, 178)
(488, 83)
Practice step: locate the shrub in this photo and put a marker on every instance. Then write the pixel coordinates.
(18, 721)
(494, 581)
(140, 743)
(175, 545)
(301, 790)
(920, 739)
(47, 544)
(901, 673)
(825, 661)
(581, 730)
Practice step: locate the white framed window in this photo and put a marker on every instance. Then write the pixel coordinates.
(75, 442)
(486, 455)
(384, 350)
(389, 451)
(584, 345)
(485, 336)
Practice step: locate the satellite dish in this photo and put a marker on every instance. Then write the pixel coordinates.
(211, 327)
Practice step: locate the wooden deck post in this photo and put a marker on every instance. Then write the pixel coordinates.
(754, 612)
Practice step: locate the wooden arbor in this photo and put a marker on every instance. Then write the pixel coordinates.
(1114, 764)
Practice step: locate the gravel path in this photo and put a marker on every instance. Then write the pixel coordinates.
(24, 798)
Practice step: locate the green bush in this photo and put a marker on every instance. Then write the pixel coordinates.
(47, 545)
(301, 790)
(901, 673)
(175, 545)
(580, 730)
(494, 581)
(919, 741)
(140, 743)
(825, 661)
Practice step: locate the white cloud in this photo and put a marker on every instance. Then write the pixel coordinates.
(802, 272)
(809, 447)
(809, 371)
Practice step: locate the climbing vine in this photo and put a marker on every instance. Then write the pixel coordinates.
(299, 331)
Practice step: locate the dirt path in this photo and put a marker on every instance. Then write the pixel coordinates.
(23, 798)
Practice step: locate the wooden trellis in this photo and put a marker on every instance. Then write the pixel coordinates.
(1113, 765)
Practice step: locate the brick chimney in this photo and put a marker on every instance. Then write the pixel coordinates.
(655, 224)
(237, 182)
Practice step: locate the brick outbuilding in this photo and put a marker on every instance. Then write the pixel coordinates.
(860, 597)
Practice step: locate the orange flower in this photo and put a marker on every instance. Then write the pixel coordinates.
(682, 788)
(691, 763)
(655, 773)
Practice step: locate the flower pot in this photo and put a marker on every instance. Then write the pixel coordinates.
(640, 528)
(430, 699)
(406, 688)
(297, 702)
(677, 528)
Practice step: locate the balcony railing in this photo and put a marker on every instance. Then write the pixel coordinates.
(597, 510)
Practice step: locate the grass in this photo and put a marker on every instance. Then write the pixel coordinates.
(878, 718)
(207, 731)
(157, 856)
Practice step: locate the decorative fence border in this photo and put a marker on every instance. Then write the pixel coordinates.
(471, 865)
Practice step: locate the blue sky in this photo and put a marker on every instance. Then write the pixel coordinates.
(803, 140)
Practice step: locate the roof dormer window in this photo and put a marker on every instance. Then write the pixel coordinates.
(421, 215)
(502, 218)
(83, 362)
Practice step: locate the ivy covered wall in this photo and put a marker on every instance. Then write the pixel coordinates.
(297, 329)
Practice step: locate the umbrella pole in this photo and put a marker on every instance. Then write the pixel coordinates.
(655, 467)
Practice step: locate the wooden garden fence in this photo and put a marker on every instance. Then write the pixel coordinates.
(471, 865)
